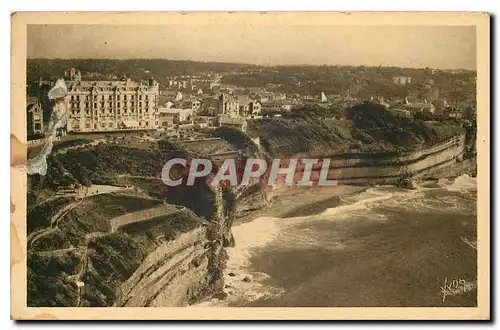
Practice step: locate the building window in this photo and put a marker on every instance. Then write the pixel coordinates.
(140, 104)
(140, 97)
(118, 104)
(38, 126)
(95, 104)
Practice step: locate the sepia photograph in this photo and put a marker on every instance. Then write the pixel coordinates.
(226, 161)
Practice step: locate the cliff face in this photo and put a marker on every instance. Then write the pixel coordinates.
(389, 168)
(252, 198)
(182, 271)
(174, 274)
(440, 160)
(164, 256)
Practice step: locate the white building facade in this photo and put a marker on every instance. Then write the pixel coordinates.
(112, 105)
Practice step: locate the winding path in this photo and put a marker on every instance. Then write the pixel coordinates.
(54, 221)
(85, 261)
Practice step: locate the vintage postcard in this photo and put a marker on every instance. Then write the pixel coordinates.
(249, 165)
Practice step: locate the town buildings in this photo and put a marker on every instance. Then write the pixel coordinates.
(228, 106)
(169, 117)
(415, 107)
(112, 105)
(402, 80)
(249, 108)
(196, 104)
(323, 97)
(238, 123)
(122, 104)
(73, 74)
(34, 117)
(454, 113)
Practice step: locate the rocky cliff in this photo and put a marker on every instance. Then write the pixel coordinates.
(388, 168)
(168, 256)
(182, 271)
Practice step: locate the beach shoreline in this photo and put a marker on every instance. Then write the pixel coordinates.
(341, 255)
(260, 227)
(291, 202)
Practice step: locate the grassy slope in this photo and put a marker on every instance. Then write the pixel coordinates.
(113, 256)
(367, 128)
(39, 215)
(92, 215)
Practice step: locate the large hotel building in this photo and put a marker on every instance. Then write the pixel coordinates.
(111, 105)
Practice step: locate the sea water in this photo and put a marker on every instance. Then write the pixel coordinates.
(385, 246)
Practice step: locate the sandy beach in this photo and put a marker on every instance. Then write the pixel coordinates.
(261, 227)
(355, 246)
(301, 201)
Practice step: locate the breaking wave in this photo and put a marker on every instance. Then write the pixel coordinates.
(241, 284)
(244, 285)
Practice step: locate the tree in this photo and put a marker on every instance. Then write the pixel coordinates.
(86, 182)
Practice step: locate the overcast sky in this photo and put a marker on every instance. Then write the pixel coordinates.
(445, 47)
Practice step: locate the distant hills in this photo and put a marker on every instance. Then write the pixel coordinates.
(136, 69)
(360, 81)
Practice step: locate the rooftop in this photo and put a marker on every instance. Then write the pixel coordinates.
(172, 110)
(232, 121)
(106, 83)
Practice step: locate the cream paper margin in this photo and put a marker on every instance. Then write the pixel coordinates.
(20, 20)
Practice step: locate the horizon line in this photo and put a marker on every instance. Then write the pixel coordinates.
(249, 64)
